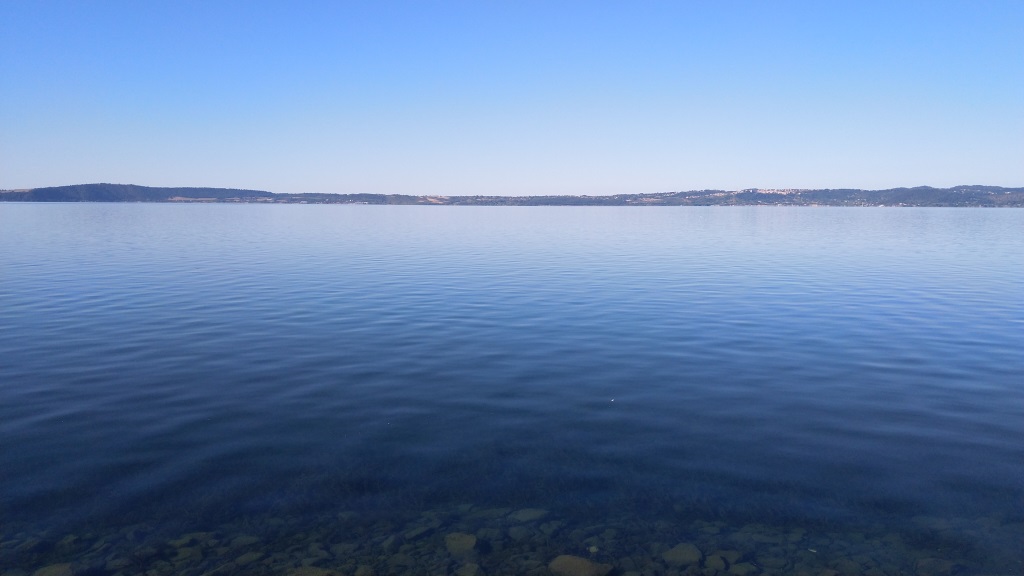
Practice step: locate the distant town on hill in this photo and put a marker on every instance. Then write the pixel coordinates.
(974, 195)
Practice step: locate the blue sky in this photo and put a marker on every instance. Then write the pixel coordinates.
(511, 97)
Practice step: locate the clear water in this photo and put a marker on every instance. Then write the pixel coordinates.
(790, 390)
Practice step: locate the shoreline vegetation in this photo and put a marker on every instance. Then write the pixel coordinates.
(921, 196)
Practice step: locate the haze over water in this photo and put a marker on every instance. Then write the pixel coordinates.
(761, 380)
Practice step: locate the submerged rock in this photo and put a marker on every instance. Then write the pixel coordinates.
(566, 565)
(32, 546)
(518, 533)
(683, 555)
(55, 570)
(244, 540)
(391, 544)
(716, 563)
(144, 553)
(731, 556)
(528, 514)
(248, 558)
(459, 544)
(934, 567)
(469, 570)
(194, 539)
(115, 564)
(847, 566)
(344, 549)
(312, 571)
(401, 560)
(774, 562)
(487, 513)
(743, 569)
(550, 528)
(189, 554)
(68, 545)
(417, 533)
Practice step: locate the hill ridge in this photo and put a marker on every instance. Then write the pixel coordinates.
(960, 195)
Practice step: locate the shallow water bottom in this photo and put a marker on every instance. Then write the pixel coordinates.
(477, 540)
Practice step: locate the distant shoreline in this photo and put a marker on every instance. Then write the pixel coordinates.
(922, 196)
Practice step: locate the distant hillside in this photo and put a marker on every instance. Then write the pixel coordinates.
(126, 193)
(921, 196)
(992, 196)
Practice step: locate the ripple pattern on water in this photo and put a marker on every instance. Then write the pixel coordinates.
(838, 371)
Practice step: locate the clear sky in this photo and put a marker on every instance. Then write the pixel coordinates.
(515, 97)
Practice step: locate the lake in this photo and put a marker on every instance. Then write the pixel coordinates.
(218, 389)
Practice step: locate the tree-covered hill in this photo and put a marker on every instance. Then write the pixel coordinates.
(126, 193)
(975, 195)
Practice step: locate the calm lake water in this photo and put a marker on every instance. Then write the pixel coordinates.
(313, 390)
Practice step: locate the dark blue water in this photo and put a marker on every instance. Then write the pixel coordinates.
(813, 389)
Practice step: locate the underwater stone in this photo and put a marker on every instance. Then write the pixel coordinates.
(248, 558)
(567, 565)
(743, 569)
(55, 570)
(180, 542)
(934, 567)
(627, 564)
(344, 549)
(518, 533)
(417, 532)
(115, 564)
(763, 538)
(459, 544)
(144, 553)
(489, 534)
(774, 562)
(487, 513)
(847, 566)
(550, 528)
(198, 538)
(401, 561)
(683, 555)
(311, 571)
(316, 550)
(731, 556)
(188, 554)
(31, 546)
(391, 544)
(528, 514)
(469, 570)
(68, 544)
(715, 563)
(242, 541)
